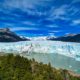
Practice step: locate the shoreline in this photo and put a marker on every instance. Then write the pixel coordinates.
(73, 74)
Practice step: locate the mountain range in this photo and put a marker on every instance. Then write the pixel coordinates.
(67, 38)
(8, 36)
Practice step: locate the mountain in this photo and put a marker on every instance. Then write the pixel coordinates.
(8, 36)
(41, 38)
(67, 38)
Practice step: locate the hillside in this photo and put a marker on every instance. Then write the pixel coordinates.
(67, 38)
(8, 36)
(20, 68)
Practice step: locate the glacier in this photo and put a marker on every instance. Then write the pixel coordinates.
(69, 49)
(65, 55)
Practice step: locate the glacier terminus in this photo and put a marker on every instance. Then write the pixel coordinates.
(65, 55)
(69, 49)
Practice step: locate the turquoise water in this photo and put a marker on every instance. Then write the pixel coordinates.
(58, 61)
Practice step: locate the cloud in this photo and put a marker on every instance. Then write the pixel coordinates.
(31, 6)
(23, 4)
(52, 26)
(55, 31)
(29, 23)
(75, 22)
(74, 1)
(64, 12)
(74, 11)
(22, 28)
(59, 12)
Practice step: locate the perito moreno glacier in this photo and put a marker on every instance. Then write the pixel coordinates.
(46, 47)
(59, 54)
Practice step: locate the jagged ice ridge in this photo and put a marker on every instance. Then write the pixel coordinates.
(47, 47)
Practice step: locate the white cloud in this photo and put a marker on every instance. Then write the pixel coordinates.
(23, 4)
(64, 12)
(74, 1)
(56, 12)
(52, 26)
(59, 13)
(29, 6)
(22, 28)
(75, 11)
(75, 22)
(29, 23)
(54, 31)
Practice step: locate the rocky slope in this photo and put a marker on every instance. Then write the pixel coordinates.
(8, 36)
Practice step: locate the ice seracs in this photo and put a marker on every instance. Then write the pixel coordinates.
(46, 47)
(40, 38)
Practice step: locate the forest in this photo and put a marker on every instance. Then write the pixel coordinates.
(15, 67)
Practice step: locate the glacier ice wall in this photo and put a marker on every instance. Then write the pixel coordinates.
(46, 47)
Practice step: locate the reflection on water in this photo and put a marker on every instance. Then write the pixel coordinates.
(58, 61)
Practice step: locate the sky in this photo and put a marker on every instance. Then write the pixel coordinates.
(40, 17)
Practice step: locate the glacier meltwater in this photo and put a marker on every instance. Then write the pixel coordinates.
(60, 54)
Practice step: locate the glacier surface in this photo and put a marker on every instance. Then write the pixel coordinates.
(46, 47)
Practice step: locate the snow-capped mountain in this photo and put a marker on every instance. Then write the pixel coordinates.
(46, 47)
(40, 38)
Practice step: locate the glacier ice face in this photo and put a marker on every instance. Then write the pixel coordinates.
(46, 47)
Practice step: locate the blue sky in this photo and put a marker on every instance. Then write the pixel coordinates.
(40, 17)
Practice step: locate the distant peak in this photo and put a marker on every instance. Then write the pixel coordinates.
(4, 29)
(8, 36)
(70, 34)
